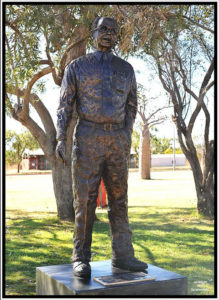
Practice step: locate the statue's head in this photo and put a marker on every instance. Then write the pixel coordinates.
(104, 32)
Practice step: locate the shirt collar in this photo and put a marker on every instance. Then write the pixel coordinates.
(98, 54)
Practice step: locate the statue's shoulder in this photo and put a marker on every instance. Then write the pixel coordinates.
(79, 62)
(121, 63)
(82, 59)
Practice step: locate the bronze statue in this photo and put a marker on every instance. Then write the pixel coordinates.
(104, 88)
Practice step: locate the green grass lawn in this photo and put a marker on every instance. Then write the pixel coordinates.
(167, 231)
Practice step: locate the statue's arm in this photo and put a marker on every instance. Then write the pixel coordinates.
(131, 106)
(65, 109)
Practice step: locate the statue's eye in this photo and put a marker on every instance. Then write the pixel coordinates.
(103, 28)
(113, 31)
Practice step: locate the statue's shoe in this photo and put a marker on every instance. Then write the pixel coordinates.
(130, 264)
(81, 269)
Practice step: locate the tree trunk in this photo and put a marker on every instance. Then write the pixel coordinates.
(62, 176)
(62, 182)
(204, 180)
(18, 162)
(205, 187)
(145, 154)
(205, 197)
(205, 202)
(205, 193)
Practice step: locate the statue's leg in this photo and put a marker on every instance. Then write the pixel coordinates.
(87, 170)
(91, 207)
(115, 179)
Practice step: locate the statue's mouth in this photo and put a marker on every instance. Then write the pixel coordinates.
(107, 39)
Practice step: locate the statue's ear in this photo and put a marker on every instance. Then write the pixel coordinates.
(94, 44)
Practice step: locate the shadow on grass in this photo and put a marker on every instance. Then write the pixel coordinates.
(21, 213)
(171, 238)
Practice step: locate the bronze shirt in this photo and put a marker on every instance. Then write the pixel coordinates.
(104, 89)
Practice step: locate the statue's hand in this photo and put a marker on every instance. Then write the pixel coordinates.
(61, 150)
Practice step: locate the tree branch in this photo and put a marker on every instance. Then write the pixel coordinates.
(41, 110)
(64, 57)
(206, 79)
(210, 85)
(33, 127)
(11, 108)
(37, 132)
(187, 89)
(209, 164)
(182, 144)
(118, 7)
(162, 80)
(142, 116)
(54, 74)
(156, 122)
(178, 115)
(198, 24)
(176, 90)
(194, 116)
(45, 62)
(207, 124)
(204, 88)
(12, 26)
(156, 111)
(46, 120)
(13, 68)
(41, 73)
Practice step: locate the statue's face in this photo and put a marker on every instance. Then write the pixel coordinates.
(105, 34)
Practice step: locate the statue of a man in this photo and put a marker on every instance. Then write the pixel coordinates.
(104, 88)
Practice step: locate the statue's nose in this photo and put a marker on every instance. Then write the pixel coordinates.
(109, 34)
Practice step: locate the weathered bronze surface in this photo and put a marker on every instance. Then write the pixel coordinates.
(104, 88)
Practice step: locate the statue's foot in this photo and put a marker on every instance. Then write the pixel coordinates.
(130, 264)
(81, 269)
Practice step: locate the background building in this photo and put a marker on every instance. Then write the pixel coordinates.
(35, 160)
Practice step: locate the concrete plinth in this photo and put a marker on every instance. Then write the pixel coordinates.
(59, 280)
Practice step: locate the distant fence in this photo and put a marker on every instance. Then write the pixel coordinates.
(166, 160)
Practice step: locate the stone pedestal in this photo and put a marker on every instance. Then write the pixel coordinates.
(59, 280)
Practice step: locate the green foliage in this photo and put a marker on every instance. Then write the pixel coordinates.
(135, 143)
(16, 144)
(10, 157)
(26, 44)
(170, 151)
(159, 145)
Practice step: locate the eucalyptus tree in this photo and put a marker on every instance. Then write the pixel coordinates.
(150, 115)
(185, 64)
(179, 41)
(181, 46)
(41, 40)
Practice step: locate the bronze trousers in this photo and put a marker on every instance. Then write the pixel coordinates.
(98, 153)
